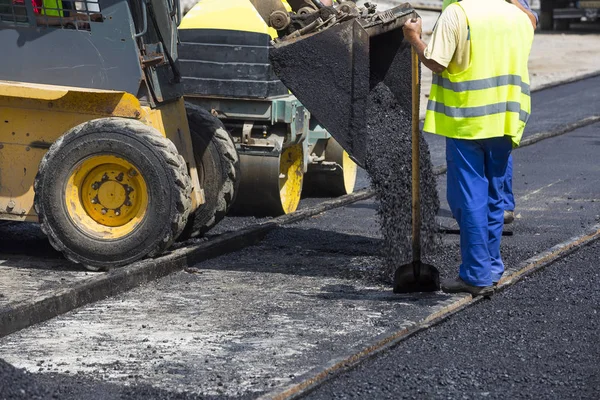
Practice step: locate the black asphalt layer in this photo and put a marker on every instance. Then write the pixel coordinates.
(21, 385)
(537, 340)
(556, 183)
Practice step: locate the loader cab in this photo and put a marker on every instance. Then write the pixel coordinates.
(127, 46)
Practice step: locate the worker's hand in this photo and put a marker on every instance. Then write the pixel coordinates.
(412, 29)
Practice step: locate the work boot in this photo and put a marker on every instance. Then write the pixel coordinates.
(457, 285)
(509, 217)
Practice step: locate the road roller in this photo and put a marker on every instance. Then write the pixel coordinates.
(284, 151)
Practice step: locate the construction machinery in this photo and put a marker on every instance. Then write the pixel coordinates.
(284, 150)
(363, 46)
(99, 147)
(95, 142)
(559, 14)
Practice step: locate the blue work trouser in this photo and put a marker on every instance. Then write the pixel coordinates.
(476, 170)
(509, 198)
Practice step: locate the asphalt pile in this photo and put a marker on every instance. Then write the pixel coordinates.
(18, 384)
(382, 87)
(389, 164)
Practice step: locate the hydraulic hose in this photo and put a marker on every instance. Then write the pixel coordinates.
(318, 4)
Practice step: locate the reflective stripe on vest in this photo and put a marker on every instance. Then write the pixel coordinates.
(480, 84)
(481, 111)
(491, 98)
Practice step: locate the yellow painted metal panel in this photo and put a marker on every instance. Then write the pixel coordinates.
(237, 15)
(18, 168)
(29, 125)
(41, 91)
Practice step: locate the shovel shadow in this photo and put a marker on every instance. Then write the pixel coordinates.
(351, 292)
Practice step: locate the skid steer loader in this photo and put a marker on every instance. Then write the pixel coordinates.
(97, 144)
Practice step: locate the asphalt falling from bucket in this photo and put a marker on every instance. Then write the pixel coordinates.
(342, 89)
(388, 163)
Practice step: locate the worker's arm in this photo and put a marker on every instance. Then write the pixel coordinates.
(412, 33)
(521, 7)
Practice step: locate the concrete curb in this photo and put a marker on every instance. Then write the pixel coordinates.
(14, 317)
(537, 137)
(323, 373)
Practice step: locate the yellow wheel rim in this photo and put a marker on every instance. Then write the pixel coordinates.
(349, 168)
(290, 178)
(106, 196)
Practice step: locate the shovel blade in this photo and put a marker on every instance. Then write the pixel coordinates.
(416, 277)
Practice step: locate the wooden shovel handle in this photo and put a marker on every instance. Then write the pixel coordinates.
(416, 164)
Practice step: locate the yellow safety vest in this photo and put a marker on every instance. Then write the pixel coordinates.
(491, 98)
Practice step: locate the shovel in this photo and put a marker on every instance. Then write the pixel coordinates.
(416, 276)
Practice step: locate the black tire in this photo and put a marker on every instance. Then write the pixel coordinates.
(218, 166)
(546, 20)
(335, 182)
(156, 160)
(562, 24)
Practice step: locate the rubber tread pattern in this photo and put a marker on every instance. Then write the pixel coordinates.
(203, 123)
(166, 149)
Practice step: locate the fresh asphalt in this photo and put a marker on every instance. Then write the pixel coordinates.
(325, 263)
(537, 340)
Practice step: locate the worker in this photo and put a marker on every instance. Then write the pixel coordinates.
(480, 102)
(509, 198)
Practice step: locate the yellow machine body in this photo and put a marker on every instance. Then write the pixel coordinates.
(33, 116)
(234, 15)
(276, 145)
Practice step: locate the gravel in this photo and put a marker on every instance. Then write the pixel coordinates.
(18, 384)
(526, 343)
(389, 165)
(377, 89)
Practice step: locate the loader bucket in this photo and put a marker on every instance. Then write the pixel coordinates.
(332, 71)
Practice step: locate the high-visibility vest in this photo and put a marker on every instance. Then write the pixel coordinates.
(491, 98)
(446, 3)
